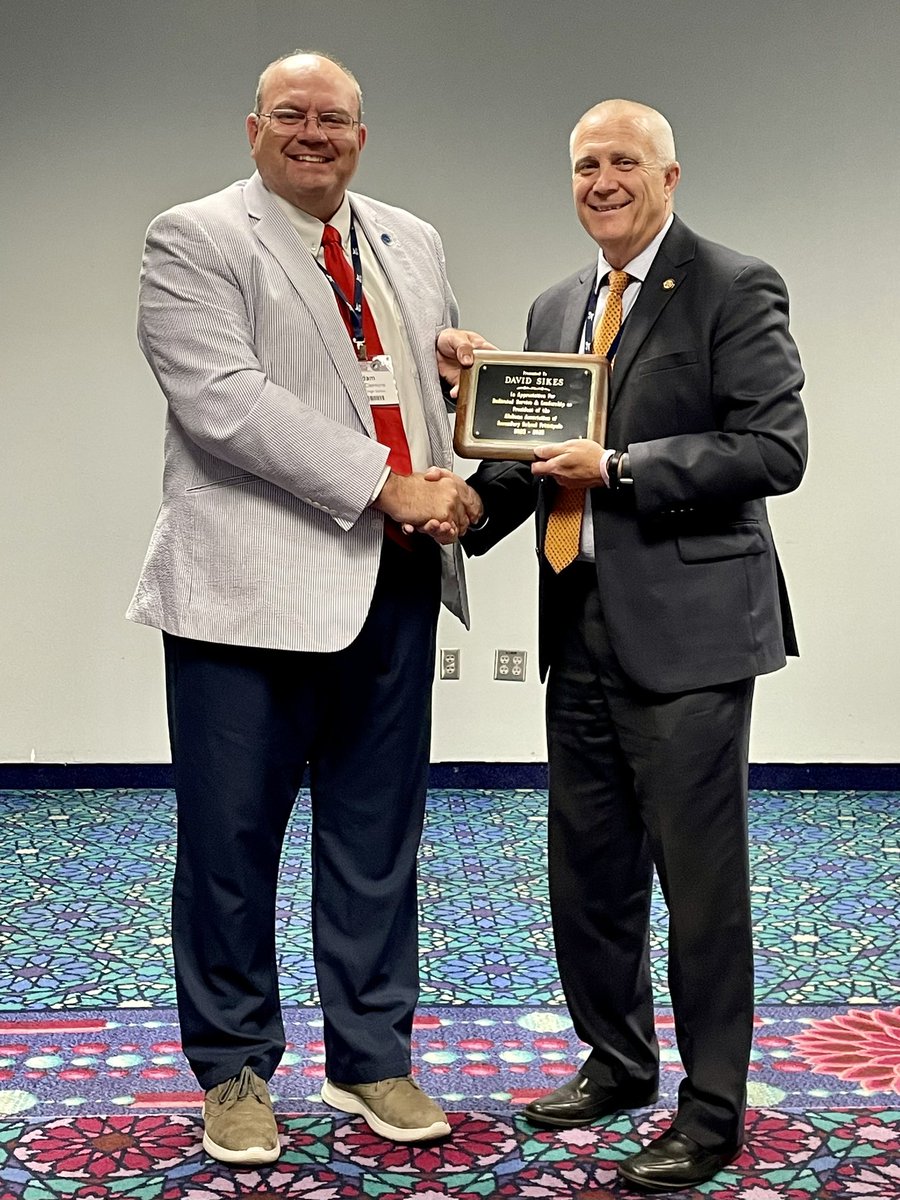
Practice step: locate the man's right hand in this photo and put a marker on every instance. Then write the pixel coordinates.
(437, 504)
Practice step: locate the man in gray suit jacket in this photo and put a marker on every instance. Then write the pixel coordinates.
(297, 587)
(653, 637)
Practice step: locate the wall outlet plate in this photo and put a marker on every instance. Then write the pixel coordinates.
(449, 664)
(510, 664)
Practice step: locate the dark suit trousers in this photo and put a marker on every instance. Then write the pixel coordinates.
(639, 778)
(244, 723)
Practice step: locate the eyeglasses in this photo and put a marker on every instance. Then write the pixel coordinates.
(290, 120)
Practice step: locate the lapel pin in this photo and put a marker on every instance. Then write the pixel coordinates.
(386, 238)
(668, 284)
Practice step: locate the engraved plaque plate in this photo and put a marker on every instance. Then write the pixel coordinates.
(510, 403)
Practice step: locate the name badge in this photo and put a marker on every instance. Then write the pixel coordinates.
(378, 377)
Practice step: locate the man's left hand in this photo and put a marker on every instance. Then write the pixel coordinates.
(454, 350)
(573, 464)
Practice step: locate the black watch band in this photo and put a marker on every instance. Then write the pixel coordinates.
(618, 468)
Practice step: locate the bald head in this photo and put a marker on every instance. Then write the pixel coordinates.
(624, 175)
(647, 120)
(305, 135)
(305, 59)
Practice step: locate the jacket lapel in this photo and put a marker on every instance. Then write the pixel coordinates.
(313, 291)
(576, 306)
(663, 281)
(390, 248)
(387, 245)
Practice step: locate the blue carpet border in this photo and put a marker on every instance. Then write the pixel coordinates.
(793, 777)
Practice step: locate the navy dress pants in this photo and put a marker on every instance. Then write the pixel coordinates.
(244, 724)
(638, 780)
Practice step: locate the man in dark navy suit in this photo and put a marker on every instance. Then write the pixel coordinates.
(653, 633)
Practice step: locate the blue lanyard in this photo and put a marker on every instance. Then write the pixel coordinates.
(589, 326)
(354, 310)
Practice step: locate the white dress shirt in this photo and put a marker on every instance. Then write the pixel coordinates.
(386, 314)
(638, 269)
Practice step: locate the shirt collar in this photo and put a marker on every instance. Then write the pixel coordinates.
(639, 267)
(310, 227)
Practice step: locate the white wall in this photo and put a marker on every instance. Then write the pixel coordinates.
(786, 119)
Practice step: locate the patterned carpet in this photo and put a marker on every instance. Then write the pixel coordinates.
(96, 1100)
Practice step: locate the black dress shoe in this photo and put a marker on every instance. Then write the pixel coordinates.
(674, 1161)
(580, 1101)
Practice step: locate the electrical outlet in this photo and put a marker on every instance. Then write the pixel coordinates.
(510, 664)
(449, 664)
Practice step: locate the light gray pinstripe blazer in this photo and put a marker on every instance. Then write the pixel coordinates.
(264, 537)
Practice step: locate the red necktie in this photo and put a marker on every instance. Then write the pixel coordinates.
(387, 417)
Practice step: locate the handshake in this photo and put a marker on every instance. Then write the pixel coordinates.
(436, 502)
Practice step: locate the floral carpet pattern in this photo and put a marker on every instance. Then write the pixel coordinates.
(817, 1154)
(96, 1100)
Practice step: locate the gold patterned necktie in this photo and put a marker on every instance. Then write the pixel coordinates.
(563, 535)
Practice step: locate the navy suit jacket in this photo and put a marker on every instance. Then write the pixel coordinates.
(705, 396)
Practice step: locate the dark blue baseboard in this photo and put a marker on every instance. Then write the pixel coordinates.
(787, 777)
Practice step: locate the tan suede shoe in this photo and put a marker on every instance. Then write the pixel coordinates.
(396, 1109)
(239, 1122)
